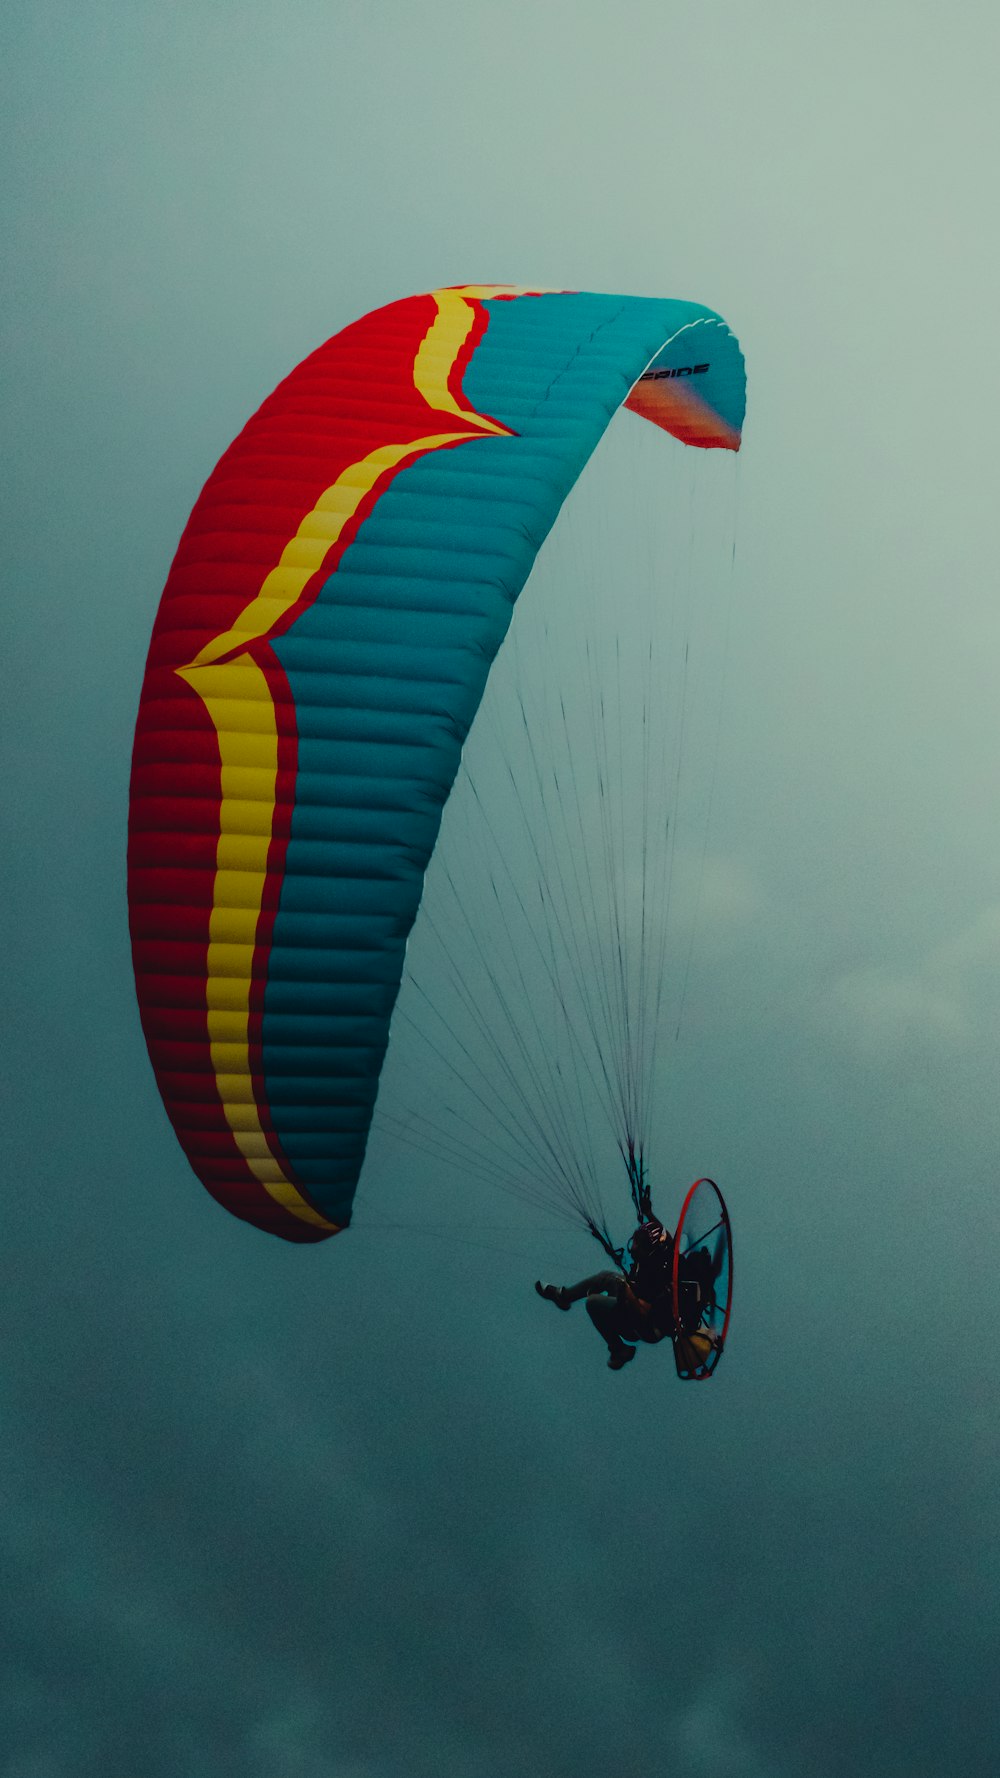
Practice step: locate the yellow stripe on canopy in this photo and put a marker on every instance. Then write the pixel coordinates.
(249, 756)
(315, 537)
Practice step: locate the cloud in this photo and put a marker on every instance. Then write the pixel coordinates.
(710, 1737)
(881, 1013)
(732, 896)
(943, 1003)
(975, 948)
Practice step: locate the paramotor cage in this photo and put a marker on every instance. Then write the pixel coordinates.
(702, 1282)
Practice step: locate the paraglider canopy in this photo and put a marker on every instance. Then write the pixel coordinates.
(323, 641)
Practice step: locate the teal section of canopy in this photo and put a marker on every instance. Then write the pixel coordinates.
(387, 669)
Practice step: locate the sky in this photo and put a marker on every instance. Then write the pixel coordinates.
(370, 1510)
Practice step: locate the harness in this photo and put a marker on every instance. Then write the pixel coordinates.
(649, 1288)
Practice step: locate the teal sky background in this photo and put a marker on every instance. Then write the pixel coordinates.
(368, 1511)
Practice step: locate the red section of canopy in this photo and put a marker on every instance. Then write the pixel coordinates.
(325, 416)
(671, 402)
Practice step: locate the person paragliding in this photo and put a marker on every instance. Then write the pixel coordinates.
(675, 1286)
(626, 1307)
(346, 580)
